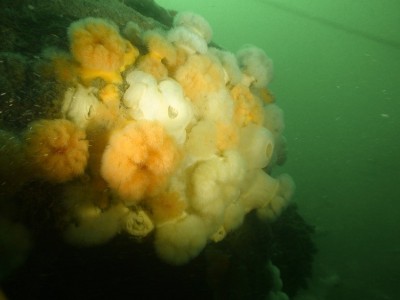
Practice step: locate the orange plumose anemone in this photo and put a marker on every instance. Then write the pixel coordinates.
(200, 76)
(57, 150)
(100, 50)
(247, 108)
(138, 160)
(161, 55)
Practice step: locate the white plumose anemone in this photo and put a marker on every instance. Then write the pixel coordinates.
(164, 102)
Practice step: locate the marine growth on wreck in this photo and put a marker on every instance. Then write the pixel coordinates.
(155, 134)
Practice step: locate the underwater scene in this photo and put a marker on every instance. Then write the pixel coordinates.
(213, 149)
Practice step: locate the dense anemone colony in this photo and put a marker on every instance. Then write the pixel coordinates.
(174, 140)
(130, 147)
(167, 136)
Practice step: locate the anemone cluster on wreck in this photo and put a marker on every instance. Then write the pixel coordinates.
(136, 159)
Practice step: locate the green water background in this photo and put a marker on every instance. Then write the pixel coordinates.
(337, 77)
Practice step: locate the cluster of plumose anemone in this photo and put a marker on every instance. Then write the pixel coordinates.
(174, 139)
